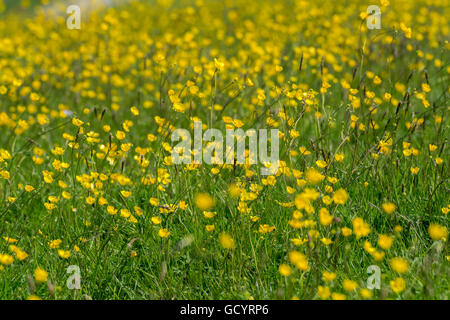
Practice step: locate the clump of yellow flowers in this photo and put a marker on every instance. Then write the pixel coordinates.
(87, 176)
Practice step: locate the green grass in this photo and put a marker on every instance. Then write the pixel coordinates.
(164, 268)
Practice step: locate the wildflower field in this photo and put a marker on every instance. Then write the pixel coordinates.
(92, 205)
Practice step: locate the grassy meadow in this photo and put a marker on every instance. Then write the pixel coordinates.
(87, 178)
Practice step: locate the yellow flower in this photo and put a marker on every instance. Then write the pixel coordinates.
(154, 201)
(388, 207)
(77, 122)
(40, 275)
(5, 175)
(218, 64)
(209, 214)
(62, 184)
(365, 293)
(360, 228)
(134, 111)
(54, 243)
(304, 151)
(384, 241)
(321, 163)
(6, 259)
(125, 194)
(163, 233)
(156, 220)
(407, 31)
(326, 241)
(10, 240)
(290, 190)
(20, 254)
(204, 201)
(226, 241)
(120, 135)
(378, 255)
(437, 232)
(66, 195)
(234, 190)
(64, 254)
(333, 180)
(323, 292)
(327, 200)
(338, 296)
(339, 157)
(111, 210)
(377, 80)
(209, 227)
(340, 196)
(90, 200)
(349, 285)
(399, 265)
(125, 213)
(285, 270)
(313, 176)
(328, 276)
(324, 217)
(299, 260)
(49, 206)
(33, 297)
(398, 285)
(265, 228)
(270, 180)
(346, 231)
(183, 205)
